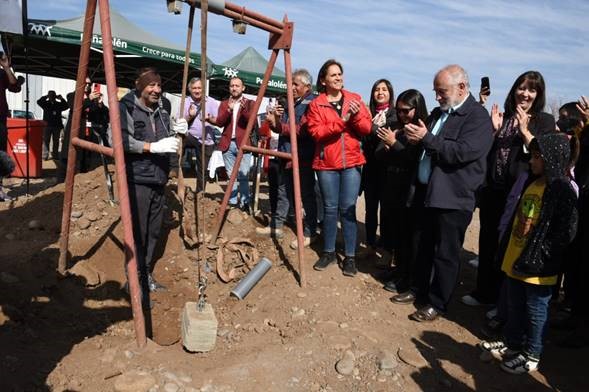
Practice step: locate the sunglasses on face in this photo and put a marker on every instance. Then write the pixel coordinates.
(404, 110)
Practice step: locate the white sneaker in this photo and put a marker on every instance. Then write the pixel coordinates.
(491, 314)
(497, 348)
(270, 231)
(520, 364)
(474, 263)
(307, 241)
(471, 301)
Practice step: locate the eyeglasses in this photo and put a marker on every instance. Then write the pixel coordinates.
(404, 110)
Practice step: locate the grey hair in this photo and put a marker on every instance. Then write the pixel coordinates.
(305, 76)
(457, 74)
(192, 81)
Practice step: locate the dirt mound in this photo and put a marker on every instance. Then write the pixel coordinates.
(339, 334)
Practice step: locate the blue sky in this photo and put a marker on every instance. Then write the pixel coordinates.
(403, 41)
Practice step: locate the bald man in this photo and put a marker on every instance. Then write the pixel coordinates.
(456, 139)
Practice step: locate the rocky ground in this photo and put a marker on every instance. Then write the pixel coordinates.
(76, 333)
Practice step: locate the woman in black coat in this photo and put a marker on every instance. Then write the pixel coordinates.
(382, 101)
(522, 120)
(400, 207)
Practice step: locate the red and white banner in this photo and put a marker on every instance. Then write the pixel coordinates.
(11, 16)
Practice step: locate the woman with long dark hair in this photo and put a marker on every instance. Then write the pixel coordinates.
(382, 102)
(337, 120)
(522, 120)
(399, 209)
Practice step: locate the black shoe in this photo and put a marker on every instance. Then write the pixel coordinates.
(154, 285)
(349, 266)
(398, 285)
(326, 259)
(246, 208)
(426, 314)
(405, 298)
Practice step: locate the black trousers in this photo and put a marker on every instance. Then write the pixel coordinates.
(147, 212)
(489, 275)
(441, 240)
(51, 135)
(191, 141)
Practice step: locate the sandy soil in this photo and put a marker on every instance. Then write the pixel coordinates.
(76, 333)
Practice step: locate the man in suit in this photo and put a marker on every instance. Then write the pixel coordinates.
(233, 115)
(456, 141)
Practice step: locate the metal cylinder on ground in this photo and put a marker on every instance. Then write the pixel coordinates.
(251, 278)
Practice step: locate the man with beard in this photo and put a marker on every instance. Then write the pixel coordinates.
(233, 115)
(456, 141)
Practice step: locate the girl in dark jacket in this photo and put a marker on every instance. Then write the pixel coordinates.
(522, 120)
(382, 101)
(542, 226)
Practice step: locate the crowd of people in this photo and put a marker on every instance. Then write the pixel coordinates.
(422, 175)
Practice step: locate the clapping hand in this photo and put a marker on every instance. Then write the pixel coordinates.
(353, 108)
(583, 106)
(496, 117)
(415, 132)
(387, 136)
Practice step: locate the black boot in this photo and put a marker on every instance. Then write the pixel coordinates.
(154, 285)
(326, 259)
(349, 266)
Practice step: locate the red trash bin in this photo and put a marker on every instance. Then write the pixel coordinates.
(17, 146)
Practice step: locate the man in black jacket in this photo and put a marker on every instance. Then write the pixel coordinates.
(147, 141)
(450, 170)
(52, 105)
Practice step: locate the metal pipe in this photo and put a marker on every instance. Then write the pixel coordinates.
(252, 21)
(199, 202)
(278, 154)
(181, 185)
(119, 155)
(253, 14)
(248, 130)
(85, 144)
(295, 167)
(251, 278)
(234, 11)
(74, 132)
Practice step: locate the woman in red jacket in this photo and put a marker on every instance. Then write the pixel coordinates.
(337, 119)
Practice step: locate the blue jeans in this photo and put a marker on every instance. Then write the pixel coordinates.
(339, 189)
(286, 198)
(229, 158)
(527, 306)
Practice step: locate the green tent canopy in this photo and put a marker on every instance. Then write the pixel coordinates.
(249, 66)
(54, 48)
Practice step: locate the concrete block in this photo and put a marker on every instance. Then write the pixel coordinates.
(199, 329)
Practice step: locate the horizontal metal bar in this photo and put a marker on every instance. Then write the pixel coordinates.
(85, 144)
(279, 154)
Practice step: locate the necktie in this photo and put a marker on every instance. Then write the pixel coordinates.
(425, 163)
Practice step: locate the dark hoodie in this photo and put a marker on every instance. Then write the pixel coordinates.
(140, 124)
(557, 224)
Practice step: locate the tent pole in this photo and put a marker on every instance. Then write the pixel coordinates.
(25, 14)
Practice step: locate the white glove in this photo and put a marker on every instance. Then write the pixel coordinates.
(180, 126)
(165, 145)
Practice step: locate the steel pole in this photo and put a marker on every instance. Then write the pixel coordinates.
(119, 155)
(248, 129)
(295, 167)
(74, 132)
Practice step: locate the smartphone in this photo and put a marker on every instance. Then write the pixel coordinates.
(485, 84)
(96, 88)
